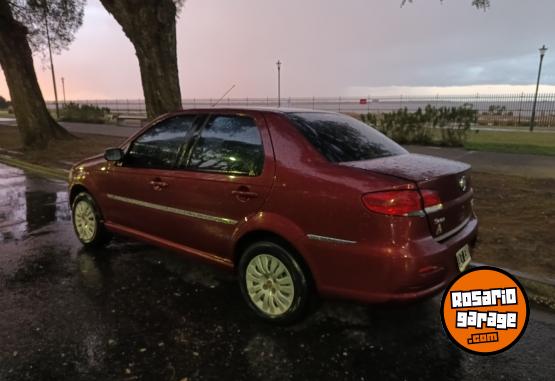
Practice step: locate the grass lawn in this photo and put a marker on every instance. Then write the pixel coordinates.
(59, 153)
(517, 221)
(538, 143)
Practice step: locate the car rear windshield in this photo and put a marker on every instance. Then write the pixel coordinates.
(341, 138)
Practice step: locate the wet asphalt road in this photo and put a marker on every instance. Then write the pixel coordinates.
(134, 312)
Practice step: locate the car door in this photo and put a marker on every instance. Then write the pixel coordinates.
(136, 189)
(224, 179)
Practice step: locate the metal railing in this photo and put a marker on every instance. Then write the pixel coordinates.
(493, 109)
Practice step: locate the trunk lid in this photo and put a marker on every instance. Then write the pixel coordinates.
(450, 179)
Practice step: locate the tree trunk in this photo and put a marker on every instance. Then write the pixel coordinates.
(150, 26)
(36, 125)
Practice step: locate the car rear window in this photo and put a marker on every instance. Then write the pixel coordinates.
(341, 138)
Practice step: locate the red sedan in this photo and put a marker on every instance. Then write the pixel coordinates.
(297, 202)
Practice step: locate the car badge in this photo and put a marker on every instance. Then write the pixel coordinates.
(439, 227)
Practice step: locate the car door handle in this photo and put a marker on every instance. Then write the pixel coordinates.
(243, 195)
(158, 184)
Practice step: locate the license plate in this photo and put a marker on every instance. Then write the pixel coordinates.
(463, 257)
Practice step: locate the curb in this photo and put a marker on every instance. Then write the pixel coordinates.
(540, 290)
(57, 173)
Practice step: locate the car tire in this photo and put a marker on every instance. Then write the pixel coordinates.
(273, 283)
(87, 222)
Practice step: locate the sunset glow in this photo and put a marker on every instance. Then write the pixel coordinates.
(328, 48)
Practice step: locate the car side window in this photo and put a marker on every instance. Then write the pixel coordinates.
(228, 144)
(160, 146)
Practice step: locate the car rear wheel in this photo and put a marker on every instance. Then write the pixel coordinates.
(273, 282)
(87, 221)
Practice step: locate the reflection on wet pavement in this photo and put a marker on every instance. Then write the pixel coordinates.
(135, 312)
(28, 203)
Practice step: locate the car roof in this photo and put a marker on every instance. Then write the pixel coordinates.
(277, 110)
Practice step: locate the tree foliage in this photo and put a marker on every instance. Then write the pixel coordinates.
(82, 113)
(63, 18)
(447, 126)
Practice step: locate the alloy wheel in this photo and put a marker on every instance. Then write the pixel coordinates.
(85, 221)
(269, 284)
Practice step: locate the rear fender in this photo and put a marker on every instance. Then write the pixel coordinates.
(280, 226)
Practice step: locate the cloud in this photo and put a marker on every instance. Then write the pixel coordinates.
(327, 47)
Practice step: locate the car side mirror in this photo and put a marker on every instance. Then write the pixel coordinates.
(113, 154)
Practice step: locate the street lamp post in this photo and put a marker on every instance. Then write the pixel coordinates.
(64, 90)
(51, 61)
(543, 49)
(279, 82)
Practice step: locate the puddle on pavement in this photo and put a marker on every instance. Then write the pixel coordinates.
(29, 203)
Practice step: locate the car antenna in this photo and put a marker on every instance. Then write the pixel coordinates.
(223, 96)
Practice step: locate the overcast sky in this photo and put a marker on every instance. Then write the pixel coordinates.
(328, 48)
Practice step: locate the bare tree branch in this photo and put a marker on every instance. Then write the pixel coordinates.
(479, 4)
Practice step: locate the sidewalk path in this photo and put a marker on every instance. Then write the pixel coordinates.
(88, 128)
(506, 163)
(100, 129)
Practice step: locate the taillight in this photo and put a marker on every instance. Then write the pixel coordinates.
(401, 202)
(430, 199)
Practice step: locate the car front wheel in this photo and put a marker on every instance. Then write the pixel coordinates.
(273, 282)
(87, 221)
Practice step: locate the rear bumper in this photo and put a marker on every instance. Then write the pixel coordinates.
(404, 273)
